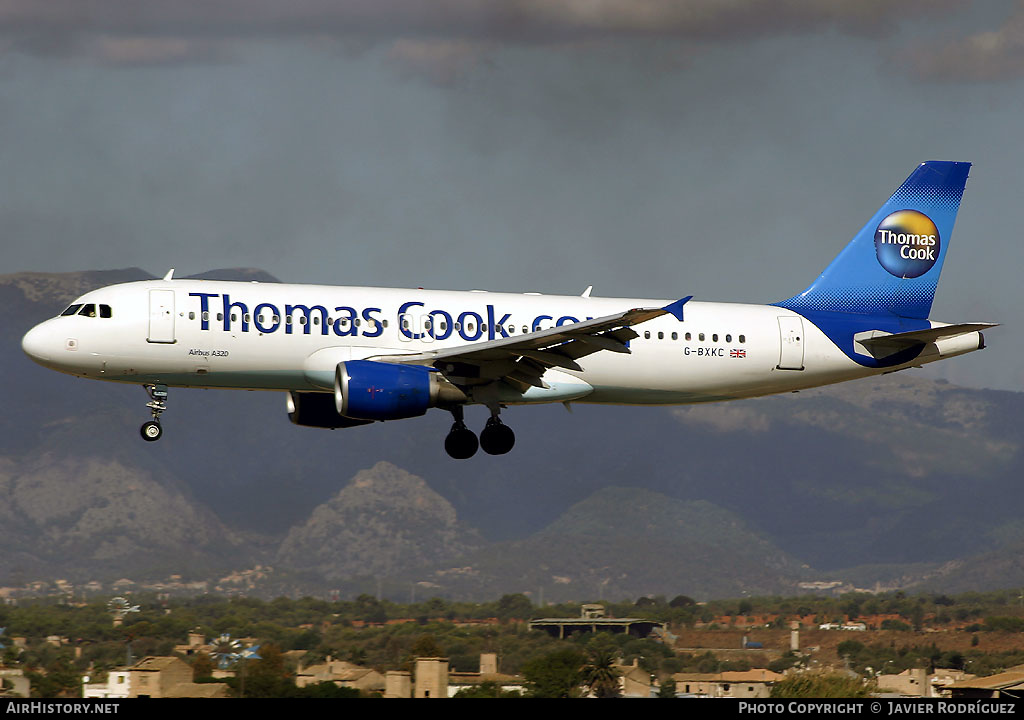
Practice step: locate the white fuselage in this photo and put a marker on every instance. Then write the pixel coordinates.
(268, 336)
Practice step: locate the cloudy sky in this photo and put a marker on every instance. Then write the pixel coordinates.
(721, 148)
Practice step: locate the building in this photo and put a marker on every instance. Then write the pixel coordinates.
(488, 673)
(165, 677)
(592, 619)
(431, 678)
(749, 684)
(916, 682)
(342, 674)
(15, 678)
(117, 686)
(634, 681)
(1009, 684)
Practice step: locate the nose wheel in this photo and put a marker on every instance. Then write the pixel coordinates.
(151, 429)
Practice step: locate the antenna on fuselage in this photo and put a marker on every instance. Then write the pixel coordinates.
(169, 275)
(586, 293)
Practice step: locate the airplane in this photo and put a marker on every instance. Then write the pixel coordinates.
(350, 356)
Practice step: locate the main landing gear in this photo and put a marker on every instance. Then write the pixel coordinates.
(496, 438)
(151, 429)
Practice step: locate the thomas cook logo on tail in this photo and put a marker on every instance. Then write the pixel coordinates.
(907, 243)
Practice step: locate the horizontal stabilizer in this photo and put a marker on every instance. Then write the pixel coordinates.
(880, 344)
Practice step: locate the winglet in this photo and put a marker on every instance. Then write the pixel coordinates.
(676, 308)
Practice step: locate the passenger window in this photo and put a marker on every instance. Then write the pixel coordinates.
(288, 320)
(675, 336)
(246, 318)
(689, 337)
(191, 316)
(384, 323)
(526, 329)
(220, 316)
(714, 338)
(647, 334)
(728, 338)
(277, 319)
(357, 322)
(302, 319)
(72, 310)
(701, 337)
(88, 310)
(206, 316)
(743, 338)
(661, 336)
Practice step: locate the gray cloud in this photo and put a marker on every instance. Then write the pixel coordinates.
(147, 31)
(984, 56)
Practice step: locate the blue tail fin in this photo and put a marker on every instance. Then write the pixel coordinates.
(892, 266)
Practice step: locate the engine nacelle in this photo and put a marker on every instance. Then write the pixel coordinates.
(317, 410)
(369, 390)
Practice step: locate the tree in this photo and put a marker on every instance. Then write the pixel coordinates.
(425, 647)
(667, 689)
(600, 674)
(821, 685)
(486, 689)
(554, 675)
(202, 667)
(267, 677)
(516, 606)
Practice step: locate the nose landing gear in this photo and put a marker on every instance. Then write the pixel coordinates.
(151, 429)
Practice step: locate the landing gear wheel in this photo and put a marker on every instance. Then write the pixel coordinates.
(461, 442)
(151, 430)
(497, 438)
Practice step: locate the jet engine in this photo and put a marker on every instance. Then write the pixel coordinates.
(317, 410)
(370, 390)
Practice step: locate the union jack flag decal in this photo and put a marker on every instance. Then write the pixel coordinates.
(737, 353)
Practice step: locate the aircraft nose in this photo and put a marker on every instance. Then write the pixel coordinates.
(38, 343)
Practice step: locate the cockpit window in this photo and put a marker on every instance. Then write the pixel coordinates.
(105, 311)
(88, 310)
(71, 310)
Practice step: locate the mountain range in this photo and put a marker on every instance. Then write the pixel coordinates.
(898, 481)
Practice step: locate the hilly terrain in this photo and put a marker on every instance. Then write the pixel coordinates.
(898, 481)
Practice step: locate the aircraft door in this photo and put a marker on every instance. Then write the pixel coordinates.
(791, 335)
(161, 316)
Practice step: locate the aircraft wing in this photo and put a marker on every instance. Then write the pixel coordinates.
(522, 360)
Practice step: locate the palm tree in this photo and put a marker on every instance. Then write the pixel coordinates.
(600, 674)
